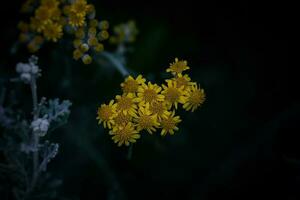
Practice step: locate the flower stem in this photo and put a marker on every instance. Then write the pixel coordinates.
(129, 154)
(35, 137)
(119, 66)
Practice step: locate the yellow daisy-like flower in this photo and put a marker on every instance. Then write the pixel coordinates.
(106, 114)
(124, 134)
(146, 120)
(173, 94)
(53, 31)
(149, 93)
(126, 104)
(168, 124)
(195, 98)
(43, 14)
(131, 85)
(50, 4)
(76, 19)
(182, 80)
(120, 119)
(79, 7)
(159, 108)
(178, 66)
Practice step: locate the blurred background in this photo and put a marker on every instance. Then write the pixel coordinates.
(242, 143)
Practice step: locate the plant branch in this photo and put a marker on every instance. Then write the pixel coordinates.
(119, 66)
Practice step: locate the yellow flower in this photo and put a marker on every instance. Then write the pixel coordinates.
(104, 25)
(124, 134)
(53, 31)
(23, 26)
(79, 7)
(159, 108)
(77, 43)
(93, 41)
(182, 80)
(168, 124)
(130, 85)
(121, 119)
(50, 4)
(173, 94)
(77, 54)
(76, 19)
(79, 33)
(178, 67)
(126, 104)
(86, 59)
(106, 114)
(93, 23)
(99, 47)
(103, 35)
(92, 31)
(195, 98)
(148, 94)
(43, 14)
(146, 120)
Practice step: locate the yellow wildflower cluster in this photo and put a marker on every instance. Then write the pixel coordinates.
(124, 33)
(52, 17)
(148, 106)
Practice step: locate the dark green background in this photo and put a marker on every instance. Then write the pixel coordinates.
(242, 144)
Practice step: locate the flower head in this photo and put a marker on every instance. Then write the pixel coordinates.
(52, 31)
(195, 98)
(146, 120)
(106, 114)
(182, 80)
(126, 104)
(149, 93)
(131, 85)
(178, 66)
(124, 134)
(173, 94)
(159, 108)
(120, 119)
(168, 124)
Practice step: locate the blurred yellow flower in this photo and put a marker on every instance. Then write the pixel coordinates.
(53, 31)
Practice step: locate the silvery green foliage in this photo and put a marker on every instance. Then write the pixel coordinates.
(26, 71)
(23, 140)
(55, 112)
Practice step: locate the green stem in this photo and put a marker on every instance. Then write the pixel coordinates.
(130, 150)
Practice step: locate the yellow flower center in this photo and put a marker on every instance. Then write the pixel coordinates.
(124, 103)
(157, 108)
(179, 66)
(122, 119)
(145, 121)
(105, 113)
(172, 95)
(130, 86)
(150, 95)
(181, 81)
(196, 97)
(168, 123)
